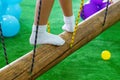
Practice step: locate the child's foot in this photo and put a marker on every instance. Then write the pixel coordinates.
(45, 37)
(69, 23)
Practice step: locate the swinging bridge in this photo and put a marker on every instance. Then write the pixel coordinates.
(48, 55)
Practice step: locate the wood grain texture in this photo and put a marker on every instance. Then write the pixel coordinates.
(48, 55)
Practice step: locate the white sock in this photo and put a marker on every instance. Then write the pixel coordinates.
(69, 23)
(44, 37)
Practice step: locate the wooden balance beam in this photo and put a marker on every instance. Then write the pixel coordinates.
(48, 55)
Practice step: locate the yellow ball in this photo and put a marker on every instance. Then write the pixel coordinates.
(106, 55)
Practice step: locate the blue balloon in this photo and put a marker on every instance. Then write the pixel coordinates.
(13, 1)
(0, 6)
(14, 10)
(4, 6)
(3, 1)
(10, 26)
(0, 9)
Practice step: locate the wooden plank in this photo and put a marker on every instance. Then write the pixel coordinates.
(48, 55)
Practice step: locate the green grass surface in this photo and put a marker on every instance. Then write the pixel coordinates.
(84, 64)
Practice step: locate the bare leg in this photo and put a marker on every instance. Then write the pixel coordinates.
(66, 7)
(43, 36)
(45, 11)
(69, 18)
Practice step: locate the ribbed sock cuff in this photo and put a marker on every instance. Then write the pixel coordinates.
(69, 19)
(41, 28)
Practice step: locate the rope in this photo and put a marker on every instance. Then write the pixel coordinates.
(106, 11)
(34, 50)
(76, 23)
(48, 27)
(3, 45)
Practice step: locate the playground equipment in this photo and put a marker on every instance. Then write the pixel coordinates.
(48, 55)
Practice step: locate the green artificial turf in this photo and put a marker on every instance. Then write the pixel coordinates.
(84, 64)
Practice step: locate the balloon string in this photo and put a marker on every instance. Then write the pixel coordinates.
(3, 44)
(106, 11)
(34, 50)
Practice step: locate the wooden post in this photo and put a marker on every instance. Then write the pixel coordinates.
(48, 55)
